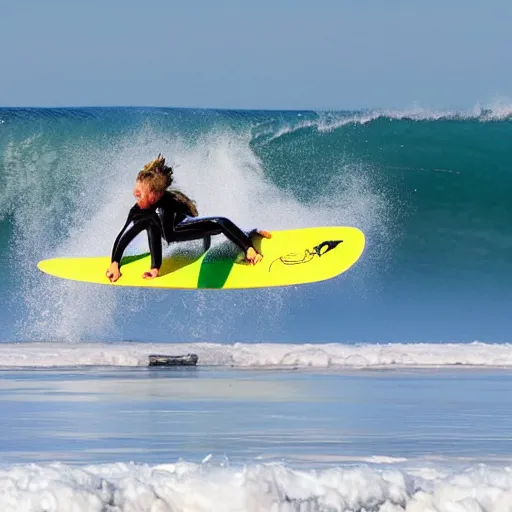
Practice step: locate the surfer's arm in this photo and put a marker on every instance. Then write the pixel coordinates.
(117, 250)
(155, 246)
(113, 273)
(126, 237)
(155, 233)
(122, 240)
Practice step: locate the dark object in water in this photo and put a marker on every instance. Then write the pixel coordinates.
(163, 360)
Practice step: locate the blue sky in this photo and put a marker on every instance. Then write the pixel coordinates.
(291, 54)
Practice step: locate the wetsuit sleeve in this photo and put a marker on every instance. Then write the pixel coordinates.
(127, 234)
(155, 246)
(117, 250)
(124, 238)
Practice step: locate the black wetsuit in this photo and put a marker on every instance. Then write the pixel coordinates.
(170, 220)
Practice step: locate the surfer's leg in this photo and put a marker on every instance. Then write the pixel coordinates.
(208, 226)
(204, 227)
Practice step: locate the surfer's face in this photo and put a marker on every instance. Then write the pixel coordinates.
(144, 195)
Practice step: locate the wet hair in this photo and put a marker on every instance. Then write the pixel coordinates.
(159, 177)
(156, 174)
(184, 201)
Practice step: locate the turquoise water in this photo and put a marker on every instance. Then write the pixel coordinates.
(429, 189)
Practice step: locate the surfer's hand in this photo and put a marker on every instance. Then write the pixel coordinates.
(113, 272)
(150, 274)
(252, 256)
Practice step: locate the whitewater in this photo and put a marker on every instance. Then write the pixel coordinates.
(261, 355)
(185, 486)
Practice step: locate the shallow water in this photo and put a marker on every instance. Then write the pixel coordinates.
(156, 415)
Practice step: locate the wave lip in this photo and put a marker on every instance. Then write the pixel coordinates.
(200, 487)
(262, 355)
(328, 121)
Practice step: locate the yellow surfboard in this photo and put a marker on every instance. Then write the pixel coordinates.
(290, 257)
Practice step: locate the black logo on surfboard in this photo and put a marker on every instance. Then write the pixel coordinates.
(308, 255)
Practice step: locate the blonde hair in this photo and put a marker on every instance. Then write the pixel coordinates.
(159, 177)
(156, 175)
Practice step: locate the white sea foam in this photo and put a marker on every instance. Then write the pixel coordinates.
(261, 355)
(185, 486)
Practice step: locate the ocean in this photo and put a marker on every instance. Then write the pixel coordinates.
(385, 389)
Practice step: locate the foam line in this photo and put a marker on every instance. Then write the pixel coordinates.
(261, 355)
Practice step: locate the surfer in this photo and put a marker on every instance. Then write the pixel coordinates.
(171, 215)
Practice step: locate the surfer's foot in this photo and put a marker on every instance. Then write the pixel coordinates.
(150, 274)
(113, 273)
(262, 233)
(252, 256)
